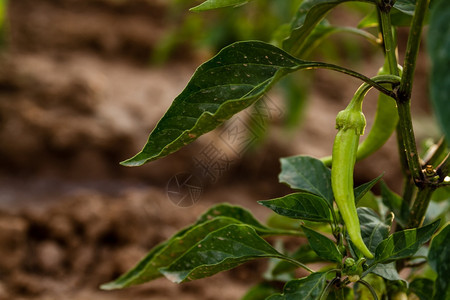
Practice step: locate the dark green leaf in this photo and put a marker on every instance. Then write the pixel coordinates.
(387, 271)
(231, 211)
(213, 4)
(399, 207)
(166, 253)
(373, 233)
(310, 13)
(307, 174)
(308, 288)
(226, 84)
(323, 246)
(220, 250)
(423, 288)
(242, 215)
(404, 243)
(439, 259)
(373, 230)
(361, 190)
(439, 51)
(259, 292)
(300, 206)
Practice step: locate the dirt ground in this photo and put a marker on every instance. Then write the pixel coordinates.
(77, 96)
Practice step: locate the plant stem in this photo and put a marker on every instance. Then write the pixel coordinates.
(412, 50)
(378, 86)
(372, 291)
(419, 208)
(388, 40)
(405, 128)
(404, 92)
(294, 262)
(409, 143)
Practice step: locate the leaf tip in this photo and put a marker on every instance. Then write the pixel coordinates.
(175, 277)
(135, 161)
(110, 286)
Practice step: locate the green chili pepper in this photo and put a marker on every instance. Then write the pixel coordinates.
(350, 124)
(386, 119)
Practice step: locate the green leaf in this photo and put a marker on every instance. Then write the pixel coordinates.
(226, 84)
(231, 211)
(220, 250)
(242, 215)
(387, 271)
(308, 288)
(361, 190)
(323, 246)
(300, 206)
(213, 4)
(166, 253)
(307, 174)
(259, 292)
(309, 14)
(404, 243)
(423, 288)
(439, 51)
(373, 230)
(399, 207)
(439, 260)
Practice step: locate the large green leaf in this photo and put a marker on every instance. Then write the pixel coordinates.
(387, 271)
(244, 216)
(323, 246)
(300, 206)
(439, 259)
(307, 174)
(229, 82)
(439, 51)
(232, 211)
(308, 288)
(309, 14)
(220, 250)
(373, 230)
(213, 4)
(165, 254)
(404, 243)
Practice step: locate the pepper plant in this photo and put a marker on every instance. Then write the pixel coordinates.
(361, 250)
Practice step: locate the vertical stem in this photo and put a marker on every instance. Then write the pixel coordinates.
(412, 50)
(389, 45)
(409, 142)
(419, 208)
(404, 93)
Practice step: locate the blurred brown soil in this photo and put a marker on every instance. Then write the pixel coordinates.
(77, 96)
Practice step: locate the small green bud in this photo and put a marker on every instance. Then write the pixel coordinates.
(351, 119)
